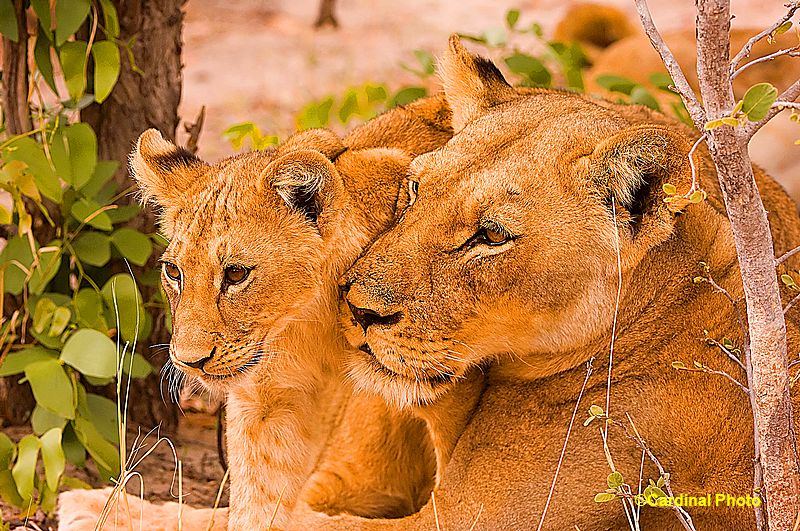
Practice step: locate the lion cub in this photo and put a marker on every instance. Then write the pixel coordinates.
(257, 244)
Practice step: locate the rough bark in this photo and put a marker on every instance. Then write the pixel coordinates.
(767, 329)
(138, 102)
(326, 16)
(16, 401)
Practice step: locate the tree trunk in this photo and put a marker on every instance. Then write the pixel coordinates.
(326, 16)
(16, 401)
(140, 101)
(770, 375)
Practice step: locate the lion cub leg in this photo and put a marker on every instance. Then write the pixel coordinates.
(378, 463)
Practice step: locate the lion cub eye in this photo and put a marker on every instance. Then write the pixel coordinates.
(236, 274)
(491, 237)
(172, 271)
(495, 238)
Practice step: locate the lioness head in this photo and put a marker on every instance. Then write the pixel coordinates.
(510, 242)
(254, 242)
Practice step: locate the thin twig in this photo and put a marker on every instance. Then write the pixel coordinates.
(692, 164)
(745, 51)
(589, 370)
(770, 57)
(791, 303)
(731, 355)
(685, 90)
(435, 512)
(785, 256)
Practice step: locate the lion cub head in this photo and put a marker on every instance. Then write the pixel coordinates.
(510, 242)
(256, 242)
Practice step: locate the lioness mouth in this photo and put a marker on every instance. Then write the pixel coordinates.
(433, 381)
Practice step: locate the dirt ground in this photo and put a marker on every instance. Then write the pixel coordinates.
(261, 60)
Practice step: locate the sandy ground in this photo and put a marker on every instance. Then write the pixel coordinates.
(261, 60)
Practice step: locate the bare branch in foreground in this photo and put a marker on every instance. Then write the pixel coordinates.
(771, 57)
(685, 90)
(791, 303)
(745, 51)
(787, 254)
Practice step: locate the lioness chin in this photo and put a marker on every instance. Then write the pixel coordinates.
(511, 253)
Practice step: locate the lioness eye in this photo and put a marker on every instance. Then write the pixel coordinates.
(172, 271)
(236, 274)
(494, 237)
(487, 236)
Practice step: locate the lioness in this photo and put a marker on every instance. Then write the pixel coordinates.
(511, 251)
(257, 244)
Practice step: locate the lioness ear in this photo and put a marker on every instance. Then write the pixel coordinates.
(632, 166)
(323, 140)
(472, 84)
(163, 171)
(306, 181)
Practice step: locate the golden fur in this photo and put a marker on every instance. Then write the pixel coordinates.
(295, 218)
(575, 184)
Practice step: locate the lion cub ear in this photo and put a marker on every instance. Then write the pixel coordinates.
(306, 181)
(472, 84)
(163, 171)
(633, 166)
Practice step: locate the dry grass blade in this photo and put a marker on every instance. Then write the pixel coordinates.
(277, 506)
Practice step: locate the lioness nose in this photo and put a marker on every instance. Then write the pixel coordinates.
(366, 317)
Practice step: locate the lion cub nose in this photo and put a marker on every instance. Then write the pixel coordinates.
(197, 364)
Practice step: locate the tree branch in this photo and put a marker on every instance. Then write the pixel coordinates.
(791, 303)
(745, 51)
(785, 256)
(684, 89)
(786, 51)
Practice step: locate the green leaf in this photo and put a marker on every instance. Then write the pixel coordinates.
(102, 413)
(16, 362)
(788, 280)
(70, 14)
(698, 196)
(103, 452)
(512, 17)
(103, 172)
(8, 489)
(91, 352)
(138, 367)
(596, 411)
(678, 365)
(44, 420)
(783, 28)
(642, 96)
(349, 106)
(106, 68)
(88, 306)
(604, 497)
(757, 101)
(713, 124)
(616, 83)
(8, 450)
(426, 61)
(495, 37)
(88, 211)
(42, 10)
(8, 20)
(51, 387)
(110, 19)
(24, 470)
(615, 480)
(16, 252)
(315, 115)
(530, 67)
(43, 313)
(93, 248)
(662, 81)
(61, 318)
(52, 457)
(82, 144)
(406, 95)
(73, 65)
(41, 54)
(31, 153)
(128, 303)
(669, 189)
(73, 449)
